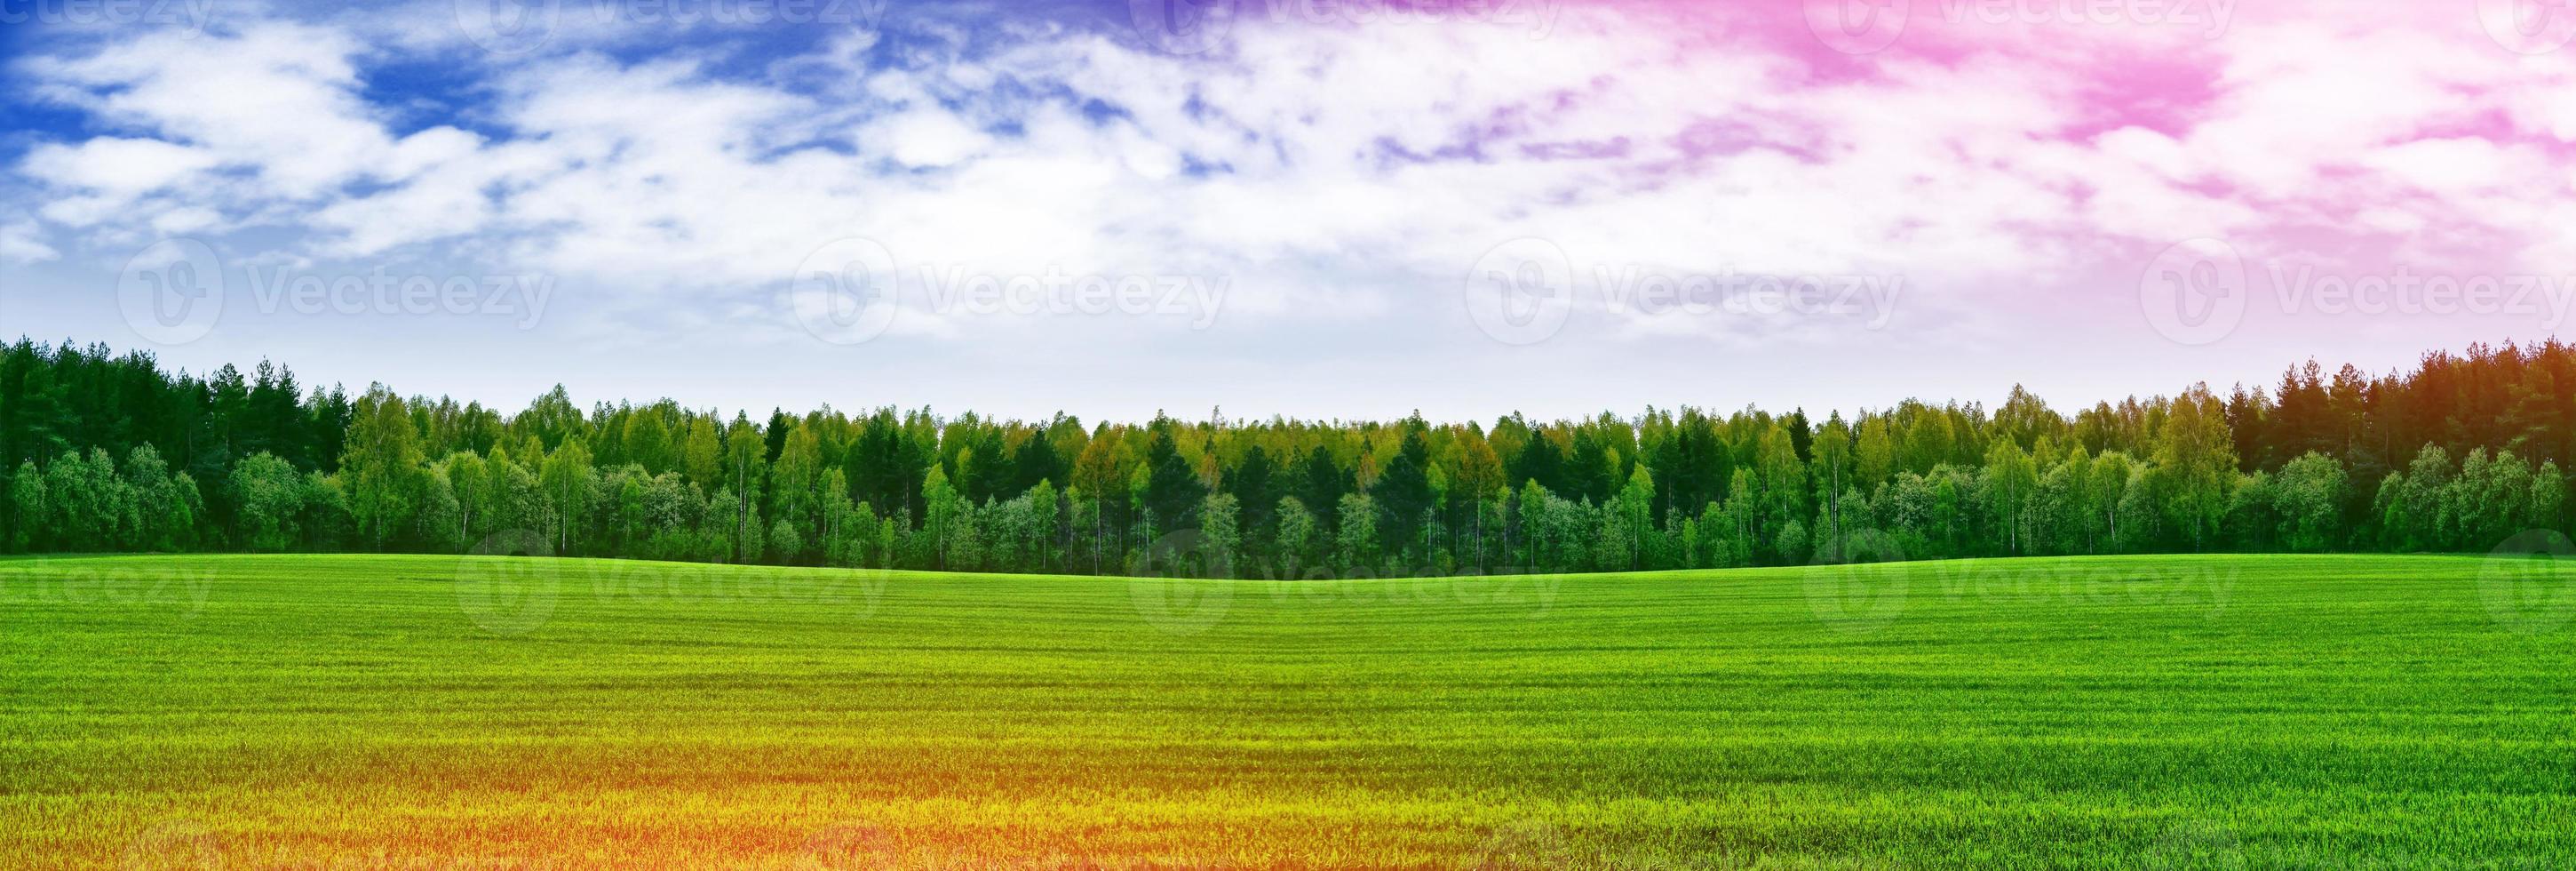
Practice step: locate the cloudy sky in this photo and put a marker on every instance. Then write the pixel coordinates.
(1282, 206)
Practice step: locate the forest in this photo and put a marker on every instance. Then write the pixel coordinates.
(108, 452)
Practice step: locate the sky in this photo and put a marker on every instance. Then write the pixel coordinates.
(1351, 210)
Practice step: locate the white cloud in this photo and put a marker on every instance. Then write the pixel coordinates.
(278, 98)
(926, 137)
(23, 242)
(1340, 164)
(117, 167)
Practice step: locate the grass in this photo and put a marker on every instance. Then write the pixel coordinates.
(428, 712)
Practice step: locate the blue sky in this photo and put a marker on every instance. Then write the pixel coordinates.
(1346, 211)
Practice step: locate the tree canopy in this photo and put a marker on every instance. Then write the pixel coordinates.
(110, 452)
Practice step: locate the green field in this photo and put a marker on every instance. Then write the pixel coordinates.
(429, 712)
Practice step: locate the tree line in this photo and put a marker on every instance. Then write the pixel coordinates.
(106, 452)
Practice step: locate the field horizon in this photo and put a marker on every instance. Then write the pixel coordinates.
(1285, 435)
(497, 712)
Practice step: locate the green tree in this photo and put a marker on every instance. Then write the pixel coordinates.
(1634, 509)
(745, 461)
(2309, 495)
(1219, 537)
(702, 455)
(1296, 537)
(945, 522)
(381, 463)
(567, 484)
(1172, 485)
(268, 497)
(164, 523)
(1355, 547)
(2195, 463)
(28, 503)
(2009, 479)
(1832, 471)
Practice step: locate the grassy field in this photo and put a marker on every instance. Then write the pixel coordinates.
(429, 712)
